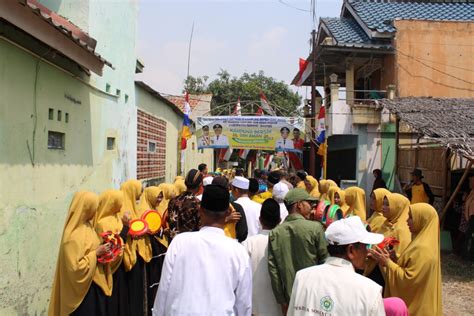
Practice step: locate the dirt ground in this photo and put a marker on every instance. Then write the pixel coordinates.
(458, 285)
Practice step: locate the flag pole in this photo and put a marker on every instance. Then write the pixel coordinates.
(180, 150)
(313, 149)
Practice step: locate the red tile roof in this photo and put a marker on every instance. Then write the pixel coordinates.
(194, 100)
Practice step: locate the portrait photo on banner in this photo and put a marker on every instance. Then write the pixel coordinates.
(251, 132)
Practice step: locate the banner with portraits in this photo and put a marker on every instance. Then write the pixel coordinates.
(251, 132)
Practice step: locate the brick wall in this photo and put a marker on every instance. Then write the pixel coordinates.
(151, 165)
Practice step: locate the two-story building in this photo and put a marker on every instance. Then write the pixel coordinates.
(386, 49)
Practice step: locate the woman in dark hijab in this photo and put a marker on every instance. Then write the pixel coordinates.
(379, 183)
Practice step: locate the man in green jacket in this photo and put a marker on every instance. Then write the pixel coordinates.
(294, 245)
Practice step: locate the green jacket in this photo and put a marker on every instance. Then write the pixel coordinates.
(294, 245)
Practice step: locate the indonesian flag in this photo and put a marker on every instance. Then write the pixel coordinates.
(225, 154)
(238, 108)
(243, 153)
(304, 72)
(267, 162)
(259, 112)
(265, 105)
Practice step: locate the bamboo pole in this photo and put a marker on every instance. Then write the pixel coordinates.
(456, 191)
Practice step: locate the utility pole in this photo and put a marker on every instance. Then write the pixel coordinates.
(313, 149)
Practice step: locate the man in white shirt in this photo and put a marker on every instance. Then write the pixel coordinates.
(279, 192)
(334, 288)
(219, 140)
(263, 300)
(240, 187)
(284, 143)
(205, 272)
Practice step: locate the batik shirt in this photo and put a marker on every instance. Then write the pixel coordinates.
(183, 214)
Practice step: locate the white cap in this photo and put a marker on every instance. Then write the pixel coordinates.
(350, 231)
(241, 183)
(207, 181)
(280, 190)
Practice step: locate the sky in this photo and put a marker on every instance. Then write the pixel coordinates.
(236, 35)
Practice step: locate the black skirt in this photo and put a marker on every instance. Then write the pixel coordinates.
(118, 304)
(94, 303)
(154, 268)
(136, 280)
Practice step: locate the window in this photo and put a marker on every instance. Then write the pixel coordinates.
(51, 114)
(151, 147)
(110, 143)
(56, 140)
(117, 92)
(60, 115)
(126, 98)
(107, 87)
(66, 118)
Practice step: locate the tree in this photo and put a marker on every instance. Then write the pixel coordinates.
(227, 89)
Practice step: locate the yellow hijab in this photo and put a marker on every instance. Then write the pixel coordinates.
(77, 258)
(395, 226)
(314, 191)
(324, 186)
(416, 277)
(355, 198)
(148, 199)
(107, 219)
(179, 185)
(168, 194)
(229, 228)
(342, 197)
(377, 219)
(132, 189)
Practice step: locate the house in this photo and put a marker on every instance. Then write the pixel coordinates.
(200, 106)
(159, 127)
(67, 123)
(383, 49)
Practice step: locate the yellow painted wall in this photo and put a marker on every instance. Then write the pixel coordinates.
(434, 59)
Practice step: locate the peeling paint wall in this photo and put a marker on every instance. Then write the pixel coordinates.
(34, 200)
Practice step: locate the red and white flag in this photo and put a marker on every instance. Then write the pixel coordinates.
(237, 108)
(243, 153)
(265, 105)
(304, 72)
(225, 154)
(267, 162)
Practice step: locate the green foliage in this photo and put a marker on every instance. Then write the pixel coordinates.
(226, 89)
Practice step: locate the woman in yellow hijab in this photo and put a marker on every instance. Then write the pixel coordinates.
(339, 198)
(416, 276)
(111, 279)
(395, 210)
(324, 186)
(135, 264)
(179, 185)
(312, 186)
(377, 219)
(149, 199)
(355, 198)
(73, 290)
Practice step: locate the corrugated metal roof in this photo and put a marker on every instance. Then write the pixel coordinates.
(67, 28)
(378, 15)
(348, 33)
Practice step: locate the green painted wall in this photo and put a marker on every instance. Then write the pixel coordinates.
(34, 199)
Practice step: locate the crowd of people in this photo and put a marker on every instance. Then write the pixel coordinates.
(275, 244)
